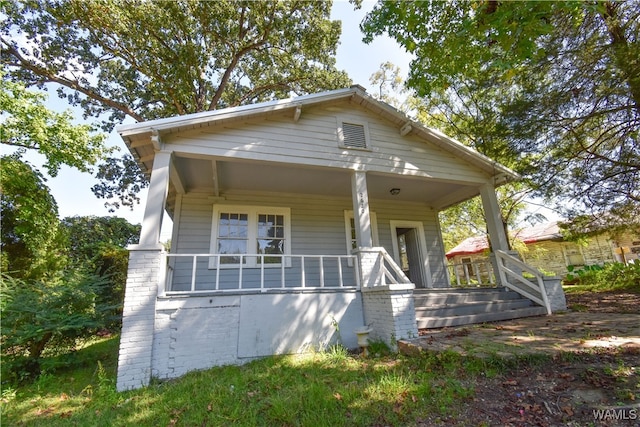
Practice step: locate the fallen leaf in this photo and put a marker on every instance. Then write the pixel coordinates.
(209, 407)
(510, 382)
(337, 396)
(64, 396)
(568, 410)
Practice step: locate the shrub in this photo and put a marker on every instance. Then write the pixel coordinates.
(47, 316)
(615, 276)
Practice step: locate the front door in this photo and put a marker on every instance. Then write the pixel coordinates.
(410, 251)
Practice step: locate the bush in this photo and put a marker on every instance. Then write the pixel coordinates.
(39, 317)
(610, 277)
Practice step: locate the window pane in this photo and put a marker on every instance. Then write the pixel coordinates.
(233, 225)
(271, 246)
(227, 246)
(270, 226)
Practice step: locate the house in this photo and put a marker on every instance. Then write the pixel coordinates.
(295, 222)
(546, 249)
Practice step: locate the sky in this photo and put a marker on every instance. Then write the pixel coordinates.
(72, 189)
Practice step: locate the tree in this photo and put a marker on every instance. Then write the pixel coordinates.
(31, 243)
(98, 245)
(149, 60)
(562, 77)
(29, 125)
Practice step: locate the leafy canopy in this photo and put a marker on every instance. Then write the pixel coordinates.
(149, 60)
(28, 124)
(31, 241)
(561, 80)
(145, 60)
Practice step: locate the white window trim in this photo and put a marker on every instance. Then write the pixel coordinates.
(356, 121)
(252, 233)
(348, 216)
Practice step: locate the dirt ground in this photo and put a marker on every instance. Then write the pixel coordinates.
(595, 366)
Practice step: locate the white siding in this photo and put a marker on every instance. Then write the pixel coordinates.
(317, 227)
(313, 140)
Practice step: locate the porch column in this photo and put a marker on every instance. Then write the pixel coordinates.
(156, 199)
(361, 214)
(496, 230)
(494, 218)
(146, 268)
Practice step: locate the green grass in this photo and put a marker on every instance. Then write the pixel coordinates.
(316, 389)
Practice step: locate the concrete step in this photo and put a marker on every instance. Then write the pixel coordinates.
(468, 308)
(428, 299)
(441, 322)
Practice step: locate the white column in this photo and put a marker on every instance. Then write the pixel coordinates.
(361, 214)
(494, 218)
(156, 199)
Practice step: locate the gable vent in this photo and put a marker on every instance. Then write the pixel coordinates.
(354, 135)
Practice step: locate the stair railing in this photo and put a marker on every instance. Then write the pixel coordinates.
(515, 281)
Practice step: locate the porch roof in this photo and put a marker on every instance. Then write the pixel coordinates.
(142, 138)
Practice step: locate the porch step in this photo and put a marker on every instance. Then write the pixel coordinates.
(442, 297)
(441, 322)
(463, 309)
(453, 307)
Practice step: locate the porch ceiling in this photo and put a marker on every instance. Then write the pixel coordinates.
(197, 174)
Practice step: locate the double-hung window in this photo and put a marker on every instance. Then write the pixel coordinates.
(239, 233)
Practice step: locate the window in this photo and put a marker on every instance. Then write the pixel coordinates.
(573, 254)
(238, 230)
(350, 230)
(353, 133)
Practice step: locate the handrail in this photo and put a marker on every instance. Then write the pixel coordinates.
(390, 267)
(384, 268)
(504, 271)
(261, 267)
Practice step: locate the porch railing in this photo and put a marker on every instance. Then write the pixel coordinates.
(472, 274)
(384, 270)
(533, 289)
(203, 273)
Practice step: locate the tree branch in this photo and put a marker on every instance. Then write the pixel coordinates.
(71, 84)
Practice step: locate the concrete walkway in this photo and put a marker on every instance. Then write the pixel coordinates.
(562, 332)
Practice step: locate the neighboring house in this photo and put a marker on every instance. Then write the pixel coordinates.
(294, 223)
(546, 250)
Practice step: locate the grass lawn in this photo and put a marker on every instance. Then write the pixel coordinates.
(315, 389)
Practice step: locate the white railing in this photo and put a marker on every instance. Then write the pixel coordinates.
(257, 272)
(471, 274)
(535, 291)
(390, 272)
(379, 268)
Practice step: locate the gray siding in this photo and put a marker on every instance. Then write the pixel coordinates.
(316, 143)
(317, 228)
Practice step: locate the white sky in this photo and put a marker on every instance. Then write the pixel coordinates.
(72, 189)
